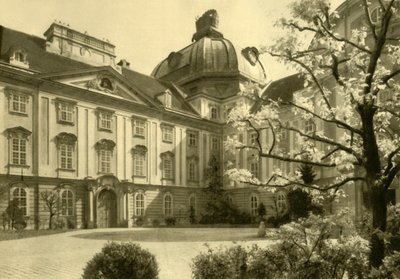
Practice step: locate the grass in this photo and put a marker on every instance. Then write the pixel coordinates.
(177, 235)
(13, 234)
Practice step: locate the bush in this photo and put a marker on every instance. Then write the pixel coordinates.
(192, 215)
(277, 221)
(121, 260)
(307, 250)
(139, 221)
(222, 212)
(301, 204)
(229, 263)
(170, 221)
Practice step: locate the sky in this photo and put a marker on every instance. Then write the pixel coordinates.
(145, 32)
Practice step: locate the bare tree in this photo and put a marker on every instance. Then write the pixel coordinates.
(351, 91)
(51, 203)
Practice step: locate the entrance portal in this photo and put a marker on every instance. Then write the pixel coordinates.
(107, 209)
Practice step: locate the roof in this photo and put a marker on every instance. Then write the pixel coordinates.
(282, 89)
(53, 64)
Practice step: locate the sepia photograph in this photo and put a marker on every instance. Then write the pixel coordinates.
(229, 139)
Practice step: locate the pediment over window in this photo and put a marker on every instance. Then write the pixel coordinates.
(105, 144)
(167, 154)
(66, 138)
(139, 149)
(18, 132)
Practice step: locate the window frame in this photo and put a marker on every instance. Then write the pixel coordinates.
(139, 151)
(192, 139)
(20, 188)
(214, 112)
(255, 169)
(167, 133)
(105, 116)
(281, 201)
(137, 122)
(105, 165)
(254, 202)
(140, 205)
(168, 211)
(67, 203)
(14, 97)
(20, 160)
(67, 108)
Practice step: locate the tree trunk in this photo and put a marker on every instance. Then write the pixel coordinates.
(51, 221)
(379, 211)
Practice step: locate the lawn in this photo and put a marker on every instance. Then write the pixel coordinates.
(177, 235)
(13, 234)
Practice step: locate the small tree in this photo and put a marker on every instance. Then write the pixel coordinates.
(50, 198)
(261, 210)
(14, 214)
(307, 173)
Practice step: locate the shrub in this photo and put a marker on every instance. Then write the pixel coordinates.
(223, 212)
(121, 260)
(139, 221)
(192, 215)
(277, 221)
(170, 221)
(307, 250)
(216, 264)
(301, 204)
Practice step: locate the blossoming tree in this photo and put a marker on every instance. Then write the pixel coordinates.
(352, 79)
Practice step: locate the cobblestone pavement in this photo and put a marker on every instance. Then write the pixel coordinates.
(61, 256)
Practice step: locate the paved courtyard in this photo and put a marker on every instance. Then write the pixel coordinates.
(62, 256)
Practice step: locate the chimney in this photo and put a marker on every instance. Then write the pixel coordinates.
(124, 64)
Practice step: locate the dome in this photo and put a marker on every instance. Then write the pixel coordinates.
(210, 55)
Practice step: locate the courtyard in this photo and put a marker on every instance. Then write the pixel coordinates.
(64, 255)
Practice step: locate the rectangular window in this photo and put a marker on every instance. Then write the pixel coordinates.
(167, 133)
(66, 156)
(19, 103)
(214, 112)
(192, 171)
(139, 165)
(18, 151)
(192, 139)
(105, 161)
(105, 121)
(139, 127)
(66, 112)
(309, 126)
(253, 138)
(167, 168)
(254, 169)
(214, 143)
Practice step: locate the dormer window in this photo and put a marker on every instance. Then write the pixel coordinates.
(165, 98)
(18, 57)
(376, 15)
(213, 112)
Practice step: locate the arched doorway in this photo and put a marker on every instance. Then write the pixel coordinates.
(106, 209)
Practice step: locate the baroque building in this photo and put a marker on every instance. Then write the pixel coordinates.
(115, 145)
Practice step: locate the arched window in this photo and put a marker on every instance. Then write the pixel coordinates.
(168, 204)
(139, 204)
(67, 203)
(281, 201)
(376, 15)
(253, 204)
(19, 194)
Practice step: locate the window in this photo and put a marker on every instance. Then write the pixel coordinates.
(66, 156)
(66, 112)
(254, 204)
(308, 126)
(253, 138)
(19, 56)
(192, 171)
(18, 151)
(67, 203)
(254, 169)
(167, 133)
(281, 201)
(214, 143)
(105, 120)
(19, 103)
(139, 160)
(139, 127)
(19, 194)
(139, 204)
(168, 165)
(192, 138)
(168, 204)
(213, 113)
(105, 161)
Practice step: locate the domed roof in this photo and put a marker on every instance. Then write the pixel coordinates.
(211, 55)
